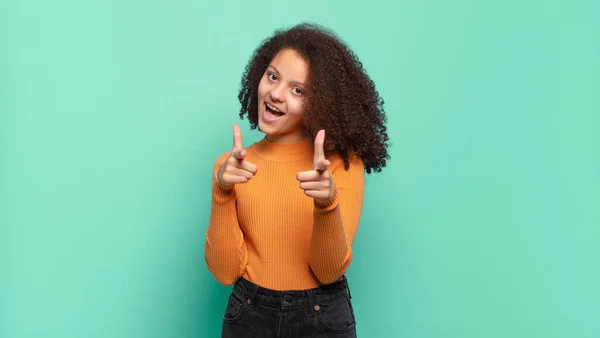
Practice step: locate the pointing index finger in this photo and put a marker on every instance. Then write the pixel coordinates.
(319, 152)
(237, 137)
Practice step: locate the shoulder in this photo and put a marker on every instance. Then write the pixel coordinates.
(356, 164)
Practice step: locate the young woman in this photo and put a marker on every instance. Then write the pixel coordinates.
(285, 210)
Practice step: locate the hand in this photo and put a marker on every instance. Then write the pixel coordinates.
(235, 169)
(317, 183)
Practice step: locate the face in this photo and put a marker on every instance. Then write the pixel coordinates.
(281, 97)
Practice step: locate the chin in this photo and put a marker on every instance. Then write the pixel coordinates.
(263, 127)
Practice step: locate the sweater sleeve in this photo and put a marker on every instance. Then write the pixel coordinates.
(225, 249)
(336, 222)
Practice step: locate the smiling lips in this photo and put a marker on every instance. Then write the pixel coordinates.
(272, 113)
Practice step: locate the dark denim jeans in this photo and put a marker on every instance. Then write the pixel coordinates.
(256, 312)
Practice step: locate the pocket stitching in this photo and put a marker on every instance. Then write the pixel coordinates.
(332, 330)
(239, 308)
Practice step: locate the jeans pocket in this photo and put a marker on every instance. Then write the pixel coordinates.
(235, 308)
(336, 316)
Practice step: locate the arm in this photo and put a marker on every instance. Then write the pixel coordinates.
(225, 248)
(336, 222)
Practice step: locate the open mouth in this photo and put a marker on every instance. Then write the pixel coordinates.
(273, 110)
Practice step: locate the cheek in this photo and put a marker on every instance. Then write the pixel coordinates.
(296, 105)
(262, 87)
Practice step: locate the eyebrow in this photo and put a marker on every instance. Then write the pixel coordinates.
(302, 84)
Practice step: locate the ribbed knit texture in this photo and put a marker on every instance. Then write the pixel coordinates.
(271, 233)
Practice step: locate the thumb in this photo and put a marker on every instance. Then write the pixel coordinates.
(319, 155)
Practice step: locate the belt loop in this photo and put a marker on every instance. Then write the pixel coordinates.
(309, 296)
(251, 290)
(252, 294)
(347, 287)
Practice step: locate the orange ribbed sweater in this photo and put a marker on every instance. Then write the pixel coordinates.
(269, 232)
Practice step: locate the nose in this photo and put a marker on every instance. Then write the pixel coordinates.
(276, 93)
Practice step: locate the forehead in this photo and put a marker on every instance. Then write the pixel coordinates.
(290, 65)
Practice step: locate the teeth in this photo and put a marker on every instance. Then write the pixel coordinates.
(273, 108)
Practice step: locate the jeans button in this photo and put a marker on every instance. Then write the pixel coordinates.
(287, 299)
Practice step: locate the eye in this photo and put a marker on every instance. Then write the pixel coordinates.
(271, 76)
(298, 91)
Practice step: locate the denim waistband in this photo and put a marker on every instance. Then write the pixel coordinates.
(292, 298)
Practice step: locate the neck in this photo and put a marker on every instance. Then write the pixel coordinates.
(293, 137)
(290, 150)
(283, 140)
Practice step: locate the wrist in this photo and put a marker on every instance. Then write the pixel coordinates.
(330, 201)
(223, 186)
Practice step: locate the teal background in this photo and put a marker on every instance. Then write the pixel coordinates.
(484, 224)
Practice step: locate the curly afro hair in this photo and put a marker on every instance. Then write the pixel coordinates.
(341, 97)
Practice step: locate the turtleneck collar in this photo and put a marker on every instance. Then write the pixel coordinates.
(284, 152)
